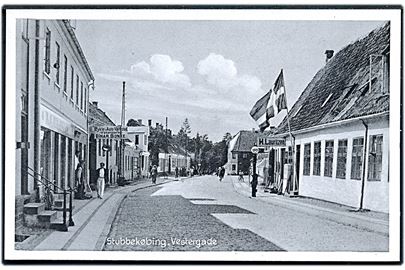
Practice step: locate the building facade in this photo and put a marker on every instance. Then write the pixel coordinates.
(239, 152)
(341, 127)
(53, 84)
(139, 135)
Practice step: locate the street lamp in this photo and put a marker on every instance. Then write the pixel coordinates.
(255, 150)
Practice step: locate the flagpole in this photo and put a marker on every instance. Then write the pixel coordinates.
(292, 140)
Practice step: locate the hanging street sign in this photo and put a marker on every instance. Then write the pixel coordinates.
(268, 142)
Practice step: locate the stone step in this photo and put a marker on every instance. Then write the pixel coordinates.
(34, 208)
(47, 216)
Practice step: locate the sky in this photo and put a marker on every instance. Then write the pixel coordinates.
(211, 72)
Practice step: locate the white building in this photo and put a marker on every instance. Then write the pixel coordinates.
(139, 136)
(53, 84)
(341, 127)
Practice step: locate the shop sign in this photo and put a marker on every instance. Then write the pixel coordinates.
(110, 132)
(55, 122)
(268, 142)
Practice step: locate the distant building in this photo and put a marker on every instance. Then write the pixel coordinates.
(239, 152)
(98, 118)
(175, 157)
(139, 135)
(341, 126)
(53, 81)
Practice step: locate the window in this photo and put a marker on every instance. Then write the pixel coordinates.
(233, 167)
(145, 138)
(72, 78)
(288, 156)
(357, 158)
(81, 95)
(65, 66)
(245, 155)
(47, 51)
(57, 63)
(317, 158)
(85, 100)
(341, 159)
(307, 159)
(234, 155)
(328, 158)
(375, 158)
(77, 90)
(137, 139)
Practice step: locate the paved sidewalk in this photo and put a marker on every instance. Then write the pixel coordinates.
(93, 220)
(369, 220)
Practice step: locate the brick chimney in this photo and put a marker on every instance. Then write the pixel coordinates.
(329, 55)
(149, 122)
(140, 121)
(95, 103)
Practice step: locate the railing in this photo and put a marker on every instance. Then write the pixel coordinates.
(49, 196)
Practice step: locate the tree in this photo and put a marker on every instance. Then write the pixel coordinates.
(132, 123)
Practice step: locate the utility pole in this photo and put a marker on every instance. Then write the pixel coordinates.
(121, 159)
(166, 151)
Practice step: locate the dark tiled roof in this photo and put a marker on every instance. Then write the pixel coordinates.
(344, 83)
(247, 139)
(97, 117)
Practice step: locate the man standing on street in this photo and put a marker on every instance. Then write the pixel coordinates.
(101, 172)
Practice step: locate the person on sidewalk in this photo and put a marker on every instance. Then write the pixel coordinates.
(254, 185)
(221, 173)
(101, 173)
(154, 174)
(176, 172)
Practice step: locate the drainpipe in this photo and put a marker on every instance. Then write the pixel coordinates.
(37, 124)
(363, 176)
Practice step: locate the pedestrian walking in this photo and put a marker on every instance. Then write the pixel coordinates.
(154, 174)
(221, 173)
(101, 173)
(254, 185)
(79, 194)
(176, 172)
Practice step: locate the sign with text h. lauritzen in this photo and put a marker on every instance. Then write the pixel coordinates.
(110, 132)
(267, 142)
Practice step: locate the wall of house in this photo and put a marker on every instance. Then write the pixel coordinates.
(143, 139)
(346, 191)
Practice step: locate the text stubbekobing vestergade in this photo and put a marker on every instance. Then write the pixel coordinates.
(161, 242)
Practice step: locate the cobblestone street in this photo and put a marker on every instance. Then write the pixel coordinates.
(157, 222)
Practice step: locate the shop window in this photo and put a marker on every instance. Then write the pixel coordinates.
(72, 80)
(145, 140)
(70, 163)
(63, 161)
(65, 71)
(56, 159)
(46, 149)
(99, 147)
(47, 51)
(317, 158)
(357, 158)
(57, 63)
(341, 159)
(288, 156)
(328, 158)
(375, 158)
(307, 159)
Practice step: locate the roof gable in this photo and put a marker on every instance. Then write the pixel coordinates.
(340, 90)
